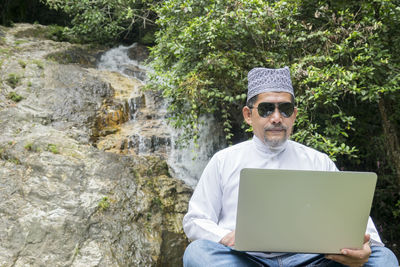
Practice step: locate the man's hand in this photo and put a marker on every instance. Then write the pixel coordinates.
(353, 257)
(228, 240)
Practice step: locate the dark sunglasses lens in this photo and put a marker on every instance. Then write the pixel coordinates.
(265, 109)
(286, 109)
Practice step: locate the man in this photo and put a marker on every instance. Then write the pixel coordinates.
(211, 217)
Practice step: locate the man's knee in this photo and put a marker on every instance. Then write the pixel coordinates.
(382, 256)
(194, 250)
(198, 251)
(208, 253)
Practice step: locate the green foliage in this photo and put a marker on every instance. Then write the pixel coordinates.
(5, 51)
(104, 20)
(53, 148)
(396, 211)
(32, 147)
(13, 80)
(38, 63)
(104, 204)
(14, 161)
(59, 33)
(77, 251)
(345, 50)
(202, 58)
(4, 155)
(19, 42)
(156, 203)
(22, 63)
(14, 97)
(29, 146)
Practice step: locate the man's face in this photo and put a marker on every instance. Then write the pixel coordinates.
(275, 129)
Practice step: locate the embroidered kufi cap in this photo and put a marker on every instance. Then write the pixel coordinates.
(261, 80)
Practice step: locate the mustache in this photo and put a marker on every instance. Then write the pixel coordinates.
(276, 127)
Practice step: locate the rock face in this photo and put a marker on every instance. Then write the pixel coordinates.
(64, 200)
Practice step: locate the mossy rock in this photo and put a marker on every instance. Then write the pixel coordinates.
(154, 166)
(36, 31)
(76, 55)
(52, 32)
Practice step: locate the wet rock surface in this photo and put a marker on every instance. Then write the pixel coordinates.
(74, 188)
(138, 52)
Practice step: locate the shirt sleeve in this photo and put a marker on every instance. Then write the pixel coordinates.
(201, 220)
(371, 230)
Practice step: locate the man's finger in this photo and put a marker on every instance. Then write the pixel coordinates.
(367, 237)
(357, 254)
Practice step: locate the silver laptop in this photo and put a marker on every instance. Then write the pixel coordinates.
(302, 211)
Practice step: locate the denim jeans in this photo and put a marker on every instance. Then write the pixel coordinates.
(206, 253)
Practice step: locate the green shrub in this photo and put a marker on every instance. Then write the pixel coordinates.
(38, 63)
(22, 63)
(53, 148)
(28, 146)
(104, 20)
(14, 161)
(57, 33)
(14, 96)
(13, 80)
(18, 42)
(104, 204)
(337, 54)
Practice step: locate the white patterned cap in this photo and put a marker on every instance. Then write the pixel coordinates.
(261, 80)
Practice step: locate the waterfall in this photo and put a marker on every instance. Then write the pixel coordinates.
(149, 132)
(188, 163)
(118, 60)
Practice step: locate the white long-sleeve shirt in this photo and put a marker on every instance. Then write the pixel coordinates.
(212, 208)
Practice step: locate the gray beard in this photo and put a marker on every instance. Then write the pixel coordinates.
(275, 143)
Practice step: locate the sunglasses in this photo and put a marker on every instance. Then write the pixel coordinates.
(265, 109)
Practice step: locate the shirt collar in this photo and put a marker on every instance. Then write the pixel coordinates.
(273, 151)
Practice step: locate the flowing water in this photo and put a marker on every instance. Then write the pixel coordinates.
(148, 129)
